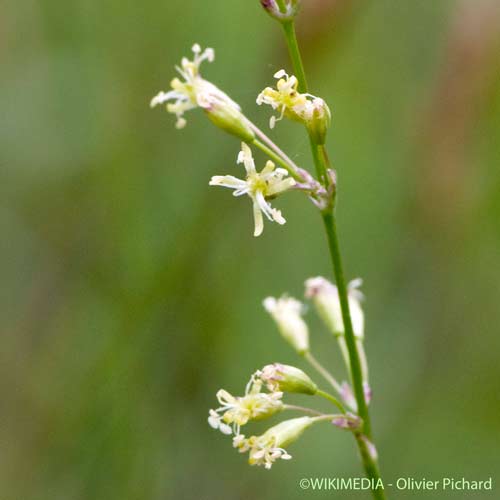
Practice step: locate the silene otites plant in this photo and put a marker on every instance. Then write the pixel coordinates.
(339, 306)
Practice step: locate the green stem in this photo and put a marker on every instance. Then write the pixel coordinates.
(332, 399)
(293, 49)
(269, 152)
(303, 409)
(281, 5)
(370, 465)
(269, 143)
(322, 166)
(355, 364)
(323, 372)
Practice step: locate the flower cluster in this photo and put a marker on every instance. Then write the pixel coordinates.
(259, 186)
(257, 405)
(193, 91)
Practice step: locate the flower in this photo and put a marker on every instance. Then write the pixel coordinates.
(286, 312)
(325, 296)
(254, 405)
(269, 447)
(285, 378)
(288, 101)
(259, 186)
(326, 299)
(195, 92)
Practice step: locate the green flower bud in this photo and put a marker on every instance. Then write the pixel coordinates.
(287, 378)
(319, 120)
(230, 119)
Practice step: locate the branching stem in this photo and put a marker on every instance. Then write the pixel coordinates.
(322, 166)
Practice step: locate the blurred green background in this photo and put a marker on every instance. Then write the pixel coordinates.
(131, 292)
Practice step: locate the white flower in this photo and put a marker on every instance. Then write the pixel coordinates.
(194, 91)
(237, 411)
(259, 186)
(267, 448)
(288, 101)
(326, 299)
(286, 312)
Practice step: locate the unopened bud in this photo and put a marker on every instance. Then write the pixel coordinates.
(287, 432)
(286, 312)
(320, 120)
(287, 378)
(230, 119)
(326, 299)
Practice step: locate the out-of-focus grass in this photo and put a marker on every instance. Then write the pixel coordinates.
(131, 291)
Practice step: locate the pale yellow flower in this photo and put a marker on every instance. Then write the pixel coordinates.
(269, 447)
(288, 101)
(196, 92)
(259, 186)
(237, 411)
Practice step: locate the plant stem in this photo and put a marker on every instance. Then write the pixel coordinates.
(355, 364)
(370, 465)
(274, 156)
(263, 137)
(303, 409)
(294, 51)
(332, 399)
(322, 166)
(281, 5)
(323, 372)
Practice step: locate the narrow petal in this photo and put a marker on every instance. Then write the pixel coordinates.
(258, 219)
(228, 181)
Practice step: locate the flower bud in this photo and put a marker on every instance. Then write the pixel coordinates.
(273, 9)
(320, 120)
(287, 378)
(288, 431)
(286, 312)
(230, 119)
(326, 299)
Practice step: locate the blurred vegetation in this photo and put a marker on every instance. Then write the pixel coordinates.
(131, 292)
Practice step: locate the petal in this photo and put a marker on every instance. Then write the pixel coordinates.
(258, 219)
(245, 157)
(224, 397)
(225, 429)
(280, 186)
(277, 217)
(228, 181)
(264, 205)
